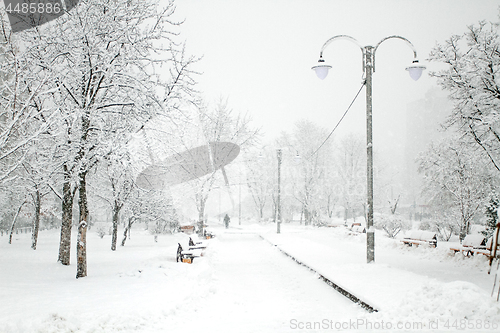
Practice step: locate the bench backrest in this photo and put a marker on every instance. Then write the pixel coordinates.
(422, 235)
(474, 240)
(489, 244)
(359, 228)
(187, 229)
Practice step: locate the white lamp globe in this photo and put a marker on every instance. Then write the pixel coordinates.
(415, 70)
(321, 69)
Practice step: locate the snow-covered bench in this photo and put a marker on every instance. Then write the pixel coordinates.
(418, 237)
(187, 229)
(197, 245)
(194, 249)
(358, 229)
(475, 244)
(471, 244)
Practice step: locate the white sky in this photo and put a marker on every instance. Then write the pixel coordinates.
(259, 54)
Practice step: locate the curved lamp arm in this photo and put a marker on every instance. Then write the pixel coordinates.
(398, 37)
(395, 37)
(321, 69)
(345, 37)
(349, 38)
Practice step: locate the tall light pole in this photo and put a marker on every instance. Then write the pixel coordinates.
(415, 71)
(278, 200)
(279, 156)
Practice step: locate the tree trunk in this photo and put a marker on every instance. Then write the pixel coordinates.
(127, 230)
(307, 216)
(81, 247)
(14, 222)
(66, 220)
(114, 235)
(36, 221)
(201, 215)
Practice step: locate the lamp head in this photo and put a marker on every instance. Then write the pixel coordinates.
(321, 68)
(415, 70)
(297, 158)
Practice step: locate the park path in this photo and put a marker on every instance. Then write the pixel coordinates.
(255, 288)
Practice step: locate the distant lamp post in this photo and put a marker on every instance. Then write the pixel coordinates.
(368, 52)
(279, 155)
(278, 199)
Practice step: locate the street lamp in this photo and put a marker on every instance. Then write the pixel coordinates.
(279, 155)
(278, 199)
(368, 60)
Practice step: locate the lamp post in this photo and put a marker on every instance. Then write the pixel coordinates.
(368, 61)
(279, 155)
(278, 199)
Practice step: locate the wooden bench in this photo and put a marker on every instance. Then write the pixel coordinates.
(470, 245)
(187, 229)
(197, 245)
(475, 244)
(358, 229)
(418, 237)
(194, 249)
(484, 250)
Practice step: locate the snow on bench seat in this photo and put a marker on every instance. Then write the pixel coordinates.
(197, 244)
(187, 255)
(195, 248)
(359, 229)
(475, 241)
(470, 243)
(473, 244)
(418, 237)
(187, 229)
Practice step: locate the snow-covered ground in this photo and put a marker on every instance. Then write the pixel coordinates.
(243, 284)
(418, 287)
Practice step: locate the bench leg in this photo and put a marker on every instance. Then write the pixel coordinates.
(179, 253)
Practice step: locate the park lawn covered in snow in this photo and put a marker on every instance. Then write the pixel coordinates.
(126, 288)
(243, 284)
(406, 284)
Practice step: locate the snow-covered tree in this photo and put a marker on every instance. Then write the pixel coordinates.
(261, 178)
(456, 178)
(392, 224)
(221, 124)
(491, 213)
(24, 114)
(350, 169)
(307, 169)
(33, 176)
(154, 208)
(115, 185)
(26, 118)
(114, 65)
(471, 77)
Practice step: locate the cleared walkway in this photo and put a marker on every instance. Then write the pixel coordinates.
(258, 289)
